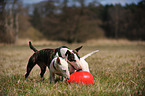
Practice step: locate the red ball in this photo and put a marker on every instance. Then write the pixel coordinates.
(82, 77)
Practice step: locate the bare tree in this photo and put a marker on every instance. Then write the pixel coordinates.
(9, 21)
(2, 19)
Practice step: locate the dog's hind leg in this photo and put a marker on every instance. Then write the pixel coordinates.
(29, 68)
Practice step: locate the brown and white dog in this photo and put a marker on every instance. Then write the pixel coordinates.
(44, 57)
(84, 64)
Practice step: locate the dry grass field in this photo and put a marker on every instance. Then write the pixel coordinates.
(118, 69)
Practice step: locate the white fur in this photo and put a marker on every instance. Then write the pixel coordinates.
(84, 64)
(76, 64)
(61, 68)
(63, 51)
(89, 54)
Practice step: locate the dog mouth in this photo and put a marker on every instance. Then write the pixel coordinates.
(67, 77)
(79, 70)
(74, 67)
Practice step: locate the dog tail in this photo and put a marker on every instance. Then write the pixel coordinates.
(32, 47)
(89, 54)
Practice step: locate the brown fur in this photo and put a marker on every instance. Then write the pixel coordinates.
(43, 58)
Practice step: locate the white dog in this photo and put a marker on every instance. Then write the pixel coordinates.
(72, 56)
(59, 66)
(84, 64)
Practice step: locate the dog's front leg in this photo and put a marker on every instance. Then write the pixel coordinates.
(52, 75)
(61, 78)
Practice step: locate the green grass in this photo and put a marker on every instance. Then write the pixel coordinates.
(118, 69)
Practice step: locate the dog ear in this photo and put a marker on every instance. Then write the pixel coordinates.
(58, 60)
(77, 49)
(67, 53)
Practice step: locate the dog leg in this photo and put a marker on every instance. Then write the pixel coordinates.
(43, 70)
(29, 68)
(52, 75)
(61, 78)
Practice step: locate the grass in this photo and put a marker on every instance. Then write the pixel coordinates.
(118, 69)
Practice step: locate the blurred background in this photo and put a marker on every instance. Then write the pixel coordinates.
(72, 21)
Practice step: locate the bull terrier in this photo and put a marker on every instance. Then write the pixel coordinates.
(59, 66)
(44, 57)
(84, 64)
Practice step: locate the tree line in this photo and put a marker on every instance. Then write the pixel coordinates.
(9, 21)
(78, 21)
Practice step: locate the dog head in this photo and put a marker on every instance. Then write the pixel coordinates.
(62, 66)
(74, 58)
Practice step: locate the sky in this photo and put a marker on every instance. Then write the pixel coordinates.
(122, 2)
(103, 2)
